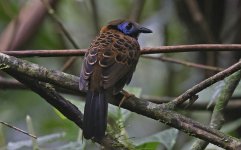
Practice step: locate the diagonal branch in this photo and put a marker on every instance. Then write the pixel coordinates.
(217, 118)
(18, 129)
(69, 110)
(202, 85)
(149, 109)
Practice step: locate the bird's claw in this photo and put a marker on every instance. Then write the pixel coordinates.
(126, 96)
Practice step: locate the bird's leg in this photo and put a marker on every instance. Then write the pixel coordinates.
(126, 96)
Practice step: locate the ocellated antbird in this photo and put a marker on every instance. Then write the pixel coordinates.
(108, 65)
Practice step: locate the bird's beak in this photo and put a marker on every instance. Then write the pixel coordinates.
(144, 30)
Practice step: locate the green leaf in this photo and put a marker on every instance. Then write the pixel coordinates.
(148, 146)
(27, 144)
(31, 131)
(166, 137)
(232, 126)
(59, 114)
(2, 137)
(71, 146)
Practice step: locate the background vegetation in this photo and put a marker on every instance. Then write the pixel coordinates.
(24, 25)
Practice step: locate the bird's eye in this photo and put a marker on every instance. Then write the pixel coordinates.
(129, 26)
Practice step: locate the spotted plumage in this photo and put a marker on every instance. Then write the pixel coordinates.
(108, 65)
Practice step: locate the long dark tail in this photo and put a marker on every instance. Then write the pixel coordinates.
(95, 115)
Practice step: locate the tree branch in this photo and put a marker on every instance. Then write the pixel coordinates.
(147, 50)
(154, 111)
(202, 85)
(48, 93)
(233, 105)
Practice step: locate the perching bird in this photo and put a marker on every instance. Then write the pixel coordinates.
(108, 65)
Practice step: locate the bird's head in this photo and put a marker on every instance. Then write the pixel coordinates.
(127, 27)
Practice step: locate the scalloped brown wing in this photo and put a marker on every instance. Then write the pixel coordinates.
(117, 55)
(119, 62)
(87, 68)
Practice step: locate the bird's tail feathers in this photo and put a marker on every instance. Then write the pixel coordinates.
(95, 115)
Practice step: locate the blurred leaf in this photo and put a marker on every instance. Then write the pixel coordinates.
(60, 114)
(237, 91)
(28, 143)
(217, 90)
(71, 146)
(2, 138)
(148, 146)
(232, 126)
(119, 113)
(31, 131)
(116, 124)
(166, 137)
(80, 135)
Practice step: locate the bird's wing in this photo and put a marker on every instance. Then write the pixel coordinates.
(118, 64)
(90, 59)
(116, 56)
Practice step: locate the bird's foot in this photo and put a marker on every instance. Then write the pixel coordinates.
(126, 96)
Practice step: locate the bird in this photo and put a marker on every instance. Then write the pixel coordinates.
(108, 65)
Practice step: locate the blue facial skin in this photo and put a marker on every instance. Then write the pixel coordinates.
(128, 29)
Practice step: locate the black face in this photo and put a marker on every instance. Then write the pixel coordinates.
(132, 29)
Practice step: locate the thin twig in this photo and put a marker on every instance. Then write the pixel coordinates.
(17, 129)
(233, 105)
(202, 85)
(65, 32)
(147, 50)
(197, 16)
(186, 63)
(55, 18)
